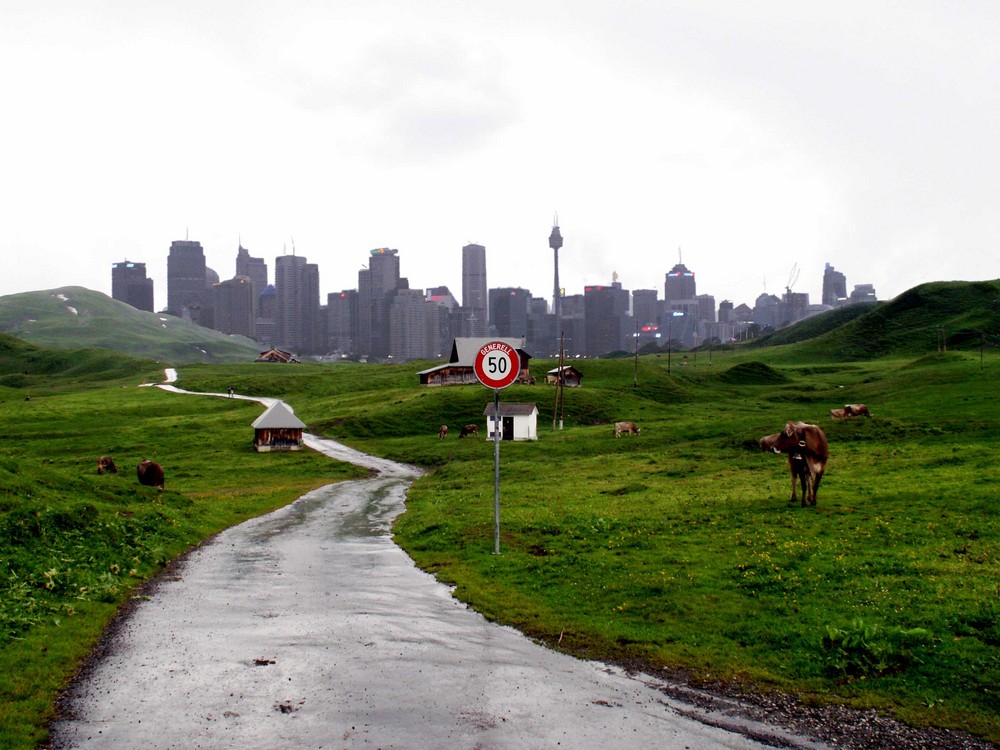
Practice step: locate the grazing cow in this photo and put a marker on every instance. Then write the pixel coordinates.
(469, 429)
(856, 410)
(807, 451)
(443, 431)
(106, 464)
(150, 473)
(629, 428)
(838, 414)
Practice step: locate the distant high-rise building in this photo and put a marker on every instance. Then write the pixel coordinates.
(834, 286)
(863, 293)
(377, 285)
(130, 285)
(235, 307)
(187, 282)
(605, 318)
(706, 307)
(726, 313)
(342, 321)
(509, 312)
(297, 324)
(679, 284)
(645, 307)
(253, 268)
(475, 299)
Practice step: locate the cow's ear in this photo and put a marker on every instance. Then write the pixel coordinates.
(789, 429)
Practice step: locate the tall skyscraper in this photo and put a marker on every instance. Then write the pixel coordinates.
(297, 321)
(235, 307)
(834, 286)
(509, 312)
(475, 300)
(679, 284)
(130, 285)
(605, 318)
(187, 282)
(342, 321)
(556, 242)
(253, 268)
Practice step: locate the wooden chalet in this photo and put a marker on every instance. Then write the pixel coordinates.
(572, 378)
(276, 355)
(459, 369)
(277, 429)
(517, 421)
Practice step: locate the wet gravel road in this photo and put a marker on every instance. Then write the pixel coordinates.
(310, 628)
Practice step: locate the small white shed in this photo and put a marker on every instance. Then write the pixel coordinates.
(517, 421)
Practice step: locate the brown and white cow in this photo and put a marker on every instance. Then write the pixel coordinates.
(469, 429)
(106, 464)
(150, 473)
(628, 428)
(443, 431)
(856, 410)
(838, 414)
(807, 451)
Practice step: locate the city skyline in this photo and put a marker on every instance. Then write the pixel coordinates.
(756, 137)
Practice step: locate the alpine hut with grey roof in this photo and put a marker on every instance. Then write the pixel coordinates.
(278, 429)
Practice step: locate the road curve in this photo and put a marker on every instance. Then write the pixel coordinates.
(310, 628)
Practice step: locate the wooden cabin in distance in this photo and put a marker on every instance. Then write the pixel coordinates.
(459, 369)
(277, 429)
(572, 378)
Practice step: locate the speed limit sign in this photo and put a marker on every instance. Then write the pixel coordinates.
(497, 364)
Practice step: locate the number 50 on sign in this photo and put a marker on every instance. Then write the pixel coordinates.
(497, 364)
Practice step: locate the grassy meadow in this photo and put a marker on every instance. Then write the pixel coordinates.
(678, 550)
(674, 551)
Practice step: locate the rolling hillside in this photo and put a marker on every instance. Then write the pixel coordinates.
(929, 317)
(74, 317)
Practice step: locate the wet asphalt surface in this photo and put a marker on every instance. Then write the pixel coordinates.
(310, 628)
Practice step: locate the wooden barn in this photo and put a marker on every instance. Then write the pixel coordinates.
(572, 378)
(277, 355)
(459, 369)
(277, 429)
(517, 421)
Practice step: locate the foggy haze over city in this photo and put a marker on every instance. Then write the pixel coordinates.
(753, 139)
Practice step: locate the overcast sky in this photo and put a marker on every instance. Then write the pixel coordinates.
(752, 137)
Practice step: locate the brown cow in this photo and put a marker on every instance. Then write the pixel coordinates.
(150, 473)
(856, 410)
(629, 428)
(106, 464)
(469, 429)
(807, 451)
(838, 414)
(443, 431)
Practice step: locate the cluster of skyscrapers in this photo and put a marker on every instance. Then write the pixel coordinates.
(384, 319)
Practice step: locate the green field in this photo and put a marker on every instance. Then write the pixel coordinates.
(676, 550)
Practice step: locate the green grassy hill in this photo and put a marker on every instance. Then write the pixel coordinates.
(74, 317)
(940, 315)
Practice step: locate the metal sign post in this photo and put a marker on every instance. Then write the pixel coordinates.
(497, 365)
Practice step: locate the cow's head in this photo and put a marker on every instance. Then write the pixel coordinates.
(788, 439)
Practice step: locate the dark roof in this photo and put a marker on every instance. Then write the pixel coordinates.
(511, 409)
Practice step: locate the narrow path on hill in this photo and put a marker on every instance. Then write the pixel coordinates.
(310, 628)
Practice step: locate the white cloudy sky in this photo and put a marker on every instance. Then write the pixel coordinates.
(752, 135)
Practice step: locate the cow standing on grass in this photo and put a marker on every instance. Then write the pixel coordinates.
(443, 431)
(807, 451)
(149, 473)
(626, 428)
(469, 429)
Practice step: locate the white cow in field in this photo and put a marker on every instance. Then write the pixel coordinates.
(629, 428)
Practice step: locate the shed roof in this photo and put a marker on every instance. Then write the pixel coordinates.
(513, 409)
(463, 350)
(278, 416)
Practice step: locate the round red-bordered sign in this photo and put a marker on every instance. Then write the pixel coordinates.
(497, 364)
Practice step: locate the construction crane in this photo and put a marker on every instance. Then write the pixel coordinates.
(793, 276)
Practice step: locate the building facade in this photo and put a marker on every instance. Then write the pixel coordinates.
(297, 324)
(187, 281)
(235, 307)
(475, 299)
(130, 285)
